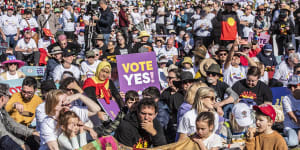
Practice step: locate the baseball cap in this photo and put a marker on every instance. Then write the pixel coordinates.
(294, 80)
(266, 109)
(242, 114)
(290, 46)
(90, 54)
(10, 8)
(268, 47)
(47, 86)
(67, 53)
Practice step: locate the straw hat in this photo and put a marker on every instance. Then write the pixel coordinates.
(144, 34)
(200, 51)
(205, 64)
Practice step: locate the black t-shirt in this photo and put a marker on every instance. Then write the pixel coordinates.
(111, 57)
(220, 88)
(260, 93)
(123, 51)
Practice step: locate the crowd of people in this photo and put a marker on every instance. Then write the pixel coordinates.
(216, 73)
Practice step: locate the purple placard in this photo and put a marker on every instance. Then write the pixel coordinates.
(111, 109)
(137, 71)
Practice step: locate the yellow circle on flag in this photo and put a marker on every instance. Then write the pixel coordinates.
(230, 21)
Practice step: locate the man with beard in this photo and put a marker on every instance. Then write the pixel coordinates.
(64, 45)
(223, 105)
(21, 106)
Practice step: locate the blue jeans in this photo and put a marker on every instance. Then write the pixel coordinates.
(227, 110)
(291, 137)
(11, 41)
(6, 143)
(106, 38)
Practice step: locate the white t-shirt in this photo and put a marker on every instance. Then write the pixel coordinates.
(40, 115)
(289, 103)
(187, 124)
(89, 70)
(32, 22)
(213, 141)
(136, 17)
(9, 25)
(48, 130)
(160, 19)
(232, 74)
(169, 53)
(249, 19)
(283, 72)
(59, 70)
(44, 43)
(202, 32)
(68, 26)
(23, 45)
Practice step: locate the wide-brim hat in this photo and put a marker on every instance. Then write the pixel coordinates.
(12, 59)
(222, 48)
(214, 68)
(144, 34)
(205, 64)
(56, 50)
(228, 2)
(187, 60)
(99, 37)
(200, 51)
(185, 76)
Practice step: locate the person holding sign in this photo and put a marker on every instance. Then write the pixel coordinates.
(101, 87)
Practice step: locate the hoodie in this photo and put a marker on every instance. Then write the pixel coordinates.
(131, 134)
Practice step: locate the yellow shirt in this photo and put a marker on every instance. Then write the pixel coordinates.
(28, 107)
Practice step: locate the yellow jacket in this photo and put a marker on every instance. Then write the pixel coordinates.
(28, 107)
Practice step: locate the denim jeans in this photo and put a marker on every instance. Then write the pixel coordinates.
(227, 110)
(11, 41)
(6, 143)
(291, 136)
(106, 38)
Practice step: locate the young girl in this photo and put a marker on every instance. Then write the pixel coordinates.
(204, 101)
(205, 136)
(73, 135)
(234, 131)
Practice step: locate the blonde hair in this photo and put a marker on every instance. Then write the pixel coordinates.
(52, 99)
(191, 92)
(201, 93)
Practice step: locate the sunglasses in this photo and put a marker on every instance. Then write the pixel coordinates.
(27, 38)
(297, 72)
(212, 98)
(47, 7)
(12, 64)
(170, 78)
(69, 90)
(261, 10)
(212, 73)
(222, 54)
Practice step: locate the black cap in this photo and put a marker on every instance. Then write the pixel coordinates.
(27, 11)
(67, 53)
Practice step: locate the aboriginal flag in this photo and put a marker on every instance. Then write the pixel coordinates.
(229, 28)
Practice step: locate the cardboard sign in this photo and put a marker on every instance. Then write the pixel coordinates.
(278, 94)
(111, 109)
(15, 86)
(33, 70)
(137, 71)
(262, 39)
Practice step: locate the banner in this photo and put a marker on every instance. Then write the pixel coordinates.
(262, 39)
(111, 109)
(35, 71)
(15, 86)
(137, 71)
(278, 94)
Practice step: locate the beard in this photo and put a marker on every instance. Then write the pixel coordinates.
(26, 99)
(210, 80)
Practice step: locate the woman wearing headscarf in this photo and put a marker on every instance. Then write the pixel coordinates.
(101, 87)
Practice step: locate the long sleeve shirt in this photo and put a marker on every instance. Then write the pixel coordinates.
(66, 143)
(272, 141)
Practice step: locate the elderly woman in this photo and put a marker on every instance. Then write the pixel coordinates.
(56, 100)
(101, 87)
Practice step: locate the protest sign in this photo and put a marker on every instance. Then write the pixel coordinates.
(35, 71)
(278, 94)
(137, 71)
(111, 109)
(262, 39)
(15, 86)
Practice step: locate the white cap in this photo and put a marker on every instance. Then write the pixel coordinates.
(242, 114)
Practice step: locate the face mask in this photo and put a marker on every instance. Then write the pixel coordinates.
(267, 54)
